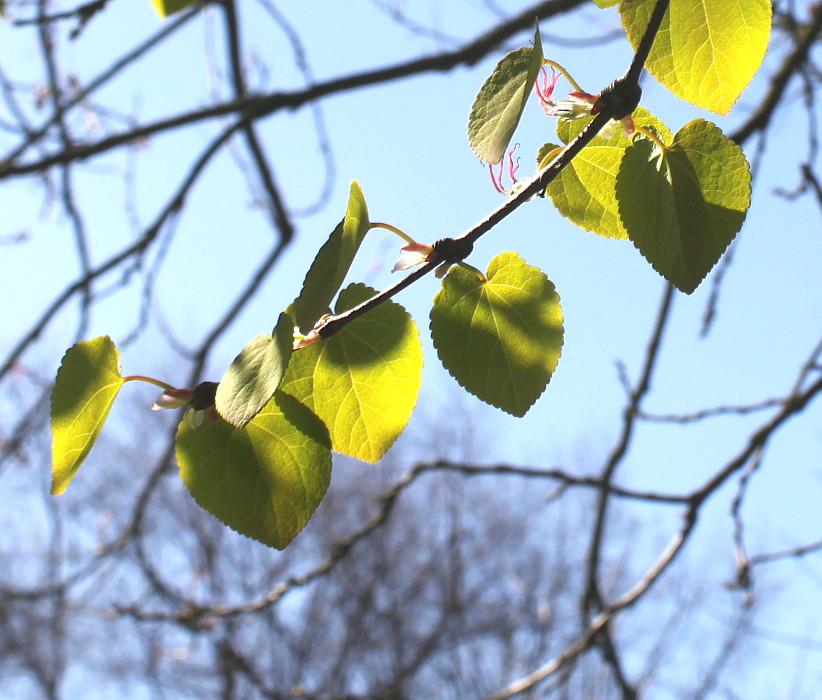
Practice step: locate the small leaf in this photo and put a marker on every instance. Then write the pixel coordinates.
(683, 206)
(168, 7)
(704, 52)
(363, 381)
(327, 272)
(500, 339)
(585, 191)
(501, 100)
(249, 383)
(87, 383)
(264, 481)
(605, 3)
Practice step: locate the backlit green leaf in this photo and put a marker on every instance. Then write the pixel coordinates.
(255, 374)
(87, 383)
(363, 381)
(500, 339)
(167, 7)
(683, 206)
(265, 480)
(705, 52)
(327, 272)
(501, 100)
(584, 191)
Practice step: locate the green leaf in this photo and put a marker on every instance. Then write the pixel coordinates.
(683, 206)
(327, 272)
(87, 383)
(363, 381)
(605, 3)
(167, 7)
(500, 339)
(501, 100)
(265, 480)
(584, 191)
(705, 52)
(249, 383)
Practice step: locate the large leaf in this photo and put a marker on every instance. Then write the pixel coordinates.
(255, 374)
(265, 480)
(167, 7)
(87, 383)
(327, 272)
(501, 338)
(705, 52)
(683, 205)
(363, 381)
(585, 190)
(501, 100)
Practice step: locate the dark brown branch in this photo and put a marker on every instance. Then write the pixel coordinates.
(172, 208)
(258, 106)
(761, 118)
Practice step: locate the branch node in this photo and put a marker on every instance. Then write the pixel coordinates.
(620, 98)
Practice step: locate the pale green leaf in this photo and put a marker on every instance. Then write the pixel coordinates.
(584, 191)
(168, 7)
(327, 272)
(255, 374)
(682, 206)
(87, 383)
(501, 100)
(362, 381)
(500, 339)
(265, 480)
(705, 52)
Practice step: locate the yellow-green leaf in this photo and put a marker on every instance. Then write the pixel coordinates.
(705, 52)
(500, 338)
(87, 383)
(265, 480)
(683, 205)
(363, 381)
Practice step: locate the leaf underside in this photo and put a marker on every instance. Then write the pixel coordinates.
(500, 339)
(682, 207)
(265, 480)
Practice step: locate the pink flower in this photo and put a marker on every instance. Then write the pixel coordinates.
(200, 401)
(173, 398)
(496, 177)
(303, 341)
(579, 104)
(544, 87)
(412, 254)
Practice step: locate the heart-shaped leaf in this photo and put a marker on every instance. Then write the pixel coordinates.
(501, 100)
(682, 206)
(363, 381)
(500, 338)
(87, 383)
(265, 480)
(585, 190)
(704, 52)
(327, 272)
(249, 383)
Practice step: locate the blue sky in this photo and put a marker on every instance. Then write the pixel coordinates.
(405, 144)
